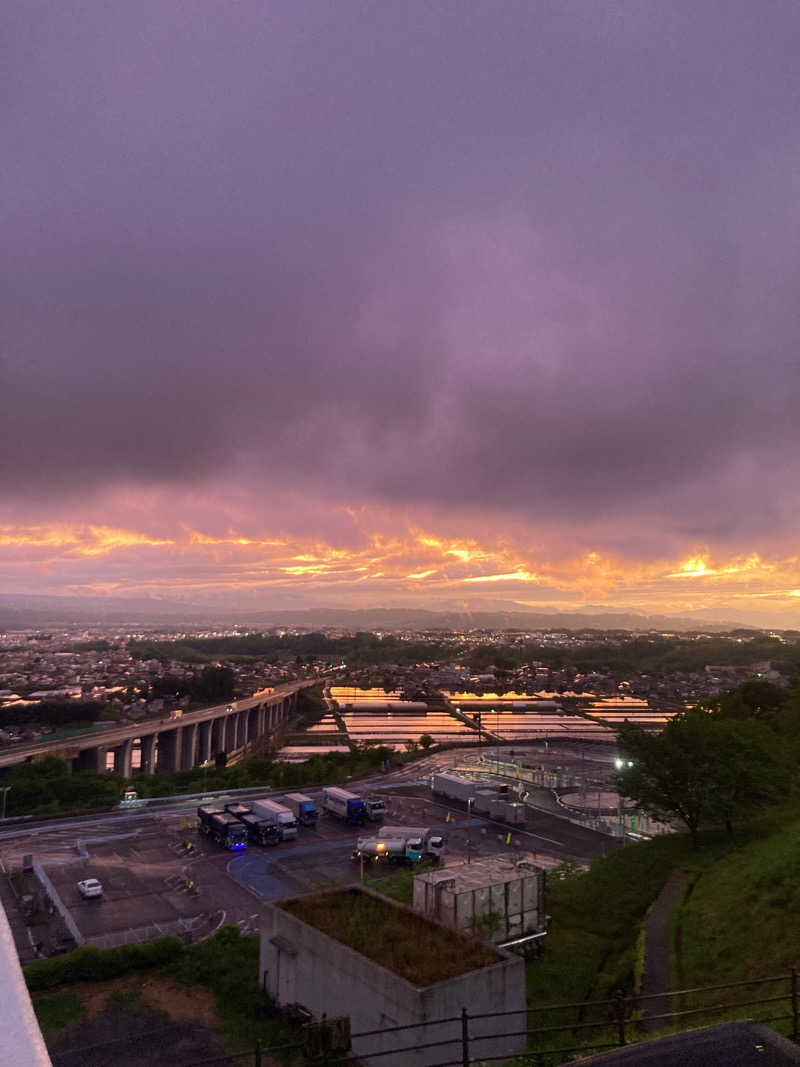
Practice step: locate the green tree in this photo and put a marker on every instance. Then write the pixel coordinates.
(755, 699)
(425, 741)
(701, 769)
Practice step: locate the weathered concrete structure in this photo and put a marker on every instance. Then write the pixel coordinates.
(172, 744)
(302, 965)
(493, 897)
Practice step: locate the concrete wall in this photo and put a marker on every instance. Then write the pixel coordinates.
(300, 964)
(22, 1041)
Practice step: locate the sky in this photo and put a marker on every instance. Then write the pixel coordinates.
(355, 304)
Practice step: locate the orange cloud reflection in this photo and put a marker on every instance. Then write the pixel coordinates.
(112, 559)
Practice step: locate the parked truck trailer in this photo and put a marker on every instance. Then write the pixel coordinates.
(303, 808)
(270, 811)
(222, 827)
(344, 805)
(507, 811)
(258, 831)
(453, 788)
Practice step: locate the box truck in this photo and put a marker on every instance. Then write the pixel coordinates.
(303, 808)
(270, 811)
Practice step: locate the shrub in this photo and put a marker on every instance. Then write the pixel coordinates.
(91, 964)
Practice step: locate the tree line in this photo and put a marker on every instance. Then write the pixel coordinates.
(362, 649)
(52, 713)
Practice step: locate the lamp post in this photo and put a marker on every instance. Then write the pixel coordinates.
(5, 789)
(469, 831)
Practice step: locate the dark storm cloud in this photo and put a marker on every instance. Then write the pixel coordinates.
(535, 256)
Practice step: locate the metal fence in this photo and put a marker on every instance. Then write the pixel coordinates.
(177, 927)
(582, 1027)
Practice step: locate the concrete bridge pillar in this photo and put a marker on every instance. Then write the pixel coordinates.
(188, 746)
(217, 736)
(148, 753)
(123, 758)
(92, 759)
(169, 752)
(204, 741)
(230, 733)
(241, 729)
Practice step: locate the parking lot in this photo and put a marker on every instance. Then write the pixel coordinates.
(161, 876)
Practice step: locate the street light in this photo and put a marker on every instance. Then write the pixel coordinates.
(469, 833)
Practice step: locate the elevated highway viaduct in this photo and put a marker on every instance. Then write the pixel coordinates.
(171, 744)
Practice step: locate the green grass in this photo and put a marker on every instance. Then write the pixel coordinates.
(55, 1010)
(735, 921)
(227, 964)
(593, 946)
(740, 918)
(399, 885)
(129, 1001)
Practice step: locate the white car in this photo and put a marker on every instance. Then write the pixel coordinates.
(90, 887)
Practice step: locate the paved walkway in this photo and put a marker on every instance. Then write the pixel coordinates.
(657, 976)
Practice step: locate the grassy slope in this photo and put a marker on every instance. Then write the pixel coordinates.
(596, 920)
(735, 923)
(739, 920)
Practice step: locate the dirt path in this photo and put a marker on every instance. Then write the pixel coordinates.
(657, 977)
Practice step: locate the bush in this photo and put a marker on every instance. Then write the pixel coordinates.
(92, 964)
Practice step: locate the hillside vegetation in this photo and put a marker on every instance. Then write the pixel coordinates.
(738, 917)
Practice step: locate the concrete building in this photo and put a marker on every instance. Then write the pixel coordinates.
(302, 965)
(495, 898)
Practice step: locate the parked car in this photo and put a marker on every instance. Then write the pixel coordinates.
(90, 887)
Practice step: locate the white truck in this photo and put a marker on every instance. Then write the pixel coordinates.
(394, 848)
(433, 840)
(376, 808)
(269, 811)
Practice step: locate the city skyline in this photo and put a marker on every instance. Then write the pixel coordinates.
(414, 304)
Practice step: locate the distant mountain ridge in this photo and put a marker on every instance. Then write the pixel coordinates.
(21, 611)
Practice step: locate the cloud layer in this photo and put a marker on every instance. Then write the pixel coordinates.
(524, 274)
